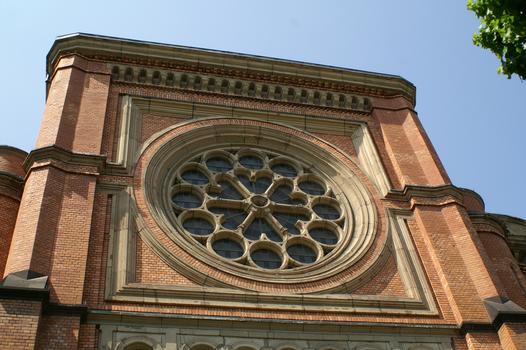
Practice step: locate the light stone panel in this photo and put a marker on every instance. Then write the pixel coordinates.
(173, 337)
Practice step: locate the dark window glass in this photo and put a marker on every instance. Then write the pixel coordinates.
(246, 182)
(259, 186)
(312, 187)
(262, 184)
(301, 253)
(198, 226)
(232, 217)
(282, 195)
(326, 211)
(227, 248)
(259, 226)
(266, 259)
(218, 164)
(289, 220)
(284, 170)
(195, 177)
(228, 191)
(251, 162)
(323, 235)
(187, 200)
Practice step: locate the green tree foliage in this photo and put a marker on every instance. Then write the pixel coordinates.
(503, 31)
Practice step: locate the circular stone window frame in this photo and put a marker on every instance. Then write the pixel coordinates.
(166, 153)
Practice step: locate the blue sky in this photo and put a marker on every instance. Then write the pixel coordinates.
(475, 118)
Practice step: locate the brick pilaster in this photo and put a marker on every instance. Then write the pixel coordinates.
(51, 233)
(11, 186)
(76, 106)
(413, 157)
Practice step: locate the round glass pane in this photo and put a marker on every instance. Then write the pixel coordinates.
(251, 162)
(266, 259)
(312, 187)
(227, 248)
(301, 253)
(326, 211)
(218, 164)
(194, 177)
(187, 199)
(284, 169)
(324, 235)
(198, 226)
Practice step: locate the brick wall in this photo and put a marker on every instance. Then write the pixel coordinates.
(513, 336)
(75, 106)
(38, 216)
(11, 174)
(19, 320)
(11, 160)
(505, 266)
(58, 332)
(483, 341)
(8, 212)
(88, 337)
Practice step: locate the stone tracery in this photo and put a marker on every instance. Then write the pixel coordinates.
(257, 208)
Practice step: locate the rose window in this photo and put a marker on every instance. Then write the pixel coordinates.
(256, 208)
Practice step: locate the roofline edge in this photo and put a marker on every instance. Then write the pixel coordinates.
(78, 42)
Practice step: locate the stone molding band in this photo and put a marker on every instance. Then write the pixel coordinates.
(242, 88)
(228, 64)
(11, 185)
(17, 293)
(65, 156)
(100, 163)
(500, 319)
(430, 195)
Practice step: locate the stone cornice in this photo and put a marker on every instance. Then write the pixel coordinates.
(509, 219)
(66, 310)
(435, 195)
(17, 293)
(228, 64)
(11, 185)
(514, 231)
(500, 319)
(427, 195)
(488, 223)
(275, 324)
(65, 156)
(14, 150)
(214, 84)
(83, 64)
(474, 195)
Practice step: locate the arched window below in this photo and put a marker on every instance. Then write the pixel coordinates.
(138, 346)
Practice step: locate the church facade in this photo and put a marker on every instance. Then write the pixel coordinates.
(191, 199)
